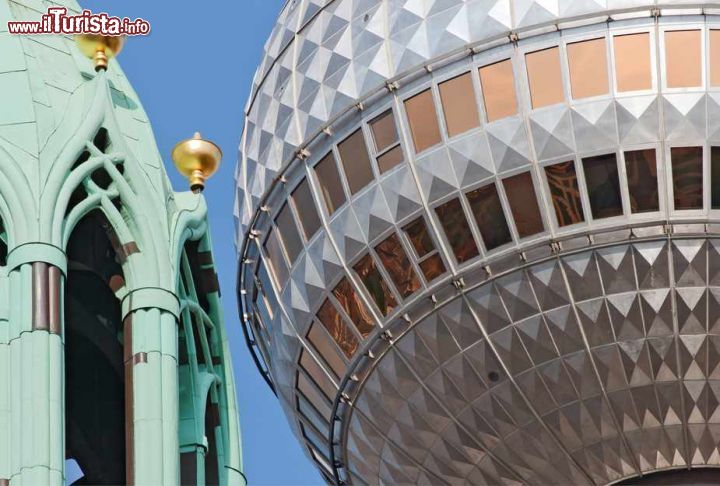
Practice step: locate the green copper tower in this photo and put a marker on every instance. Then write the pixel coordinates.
(113, 351)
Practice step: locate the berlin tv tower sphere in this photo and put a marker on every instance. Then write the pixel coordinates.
(479, 240)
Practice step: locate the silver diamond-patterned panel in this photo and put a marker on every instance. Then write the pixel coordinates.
(324, 55)
(606, 361)
(572, 371)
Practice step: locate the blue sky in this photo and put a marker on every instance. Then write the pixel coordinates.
(193, 72)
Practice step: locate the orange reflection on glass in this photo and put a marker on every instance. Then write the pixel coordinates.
(396, 262)
(683, 58)
(375, 284)
(632, 62)
(565, 193)
(354, 307)
(432, 267)
(544, 77)
(714, 57)
(423, 120)
(338, 330)
(498, 86)
(587, 61)
(458, 101)
(687, 174)
(523, 204)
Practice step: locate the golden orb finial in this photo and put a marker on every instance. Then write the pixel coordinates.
(100, 48)
(197, 159)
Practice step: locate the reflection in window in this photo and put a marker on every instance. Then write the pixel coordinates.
(305, 208)
(428, 257)
(544, 77)
(488, 212)
(683, 58)
(354, 307)
(313, 369)
(632, 62)
(384, 131)
(327, 349)
(390, 159)
(715, 177)
(523, 204)
(565, 193)
(641, 169)
(396, 262)
(387, 142)
(423, 120)
(687, 173)
(458, 101)
(355, 161)
(277, 262)
(338, 330)
(498, 86)
(311, 414)
(587, 62)
(264, 305)
(318, 444)
(330, 184)
(289, 233)
(603, 185)
(452, 218)
(310, 391)
(375, 284)
(714, 57)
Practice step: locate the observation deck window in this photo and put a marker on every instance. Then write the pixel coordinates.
(521, 195)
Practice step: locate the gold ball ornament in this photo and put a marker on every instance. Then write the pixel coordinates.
(197, 159)
(100, 48)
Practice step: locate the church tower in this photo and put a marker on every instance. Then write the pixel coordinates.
(113, 351)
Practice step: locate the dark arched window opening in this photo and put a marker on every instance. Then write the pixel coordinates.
(94, 373)
(201, 433)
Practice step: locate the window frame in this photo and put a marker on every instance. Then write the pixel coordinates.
(469, 218)
(582, 193)
(413, 253)
(431, 86)
(688, 213)
(622, 187)
(555, 41)
(660, 168)
(539, 199)
(587, 37)
(473, 75)
(652, 41)
(489, 60)
(375, 153)
(665, 27)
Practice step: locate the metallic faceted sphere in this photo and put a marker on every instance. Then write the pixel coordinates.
(479, 241)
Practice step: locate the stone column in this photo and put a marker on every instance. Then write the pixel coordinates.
(34, 362)
(151, 387)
